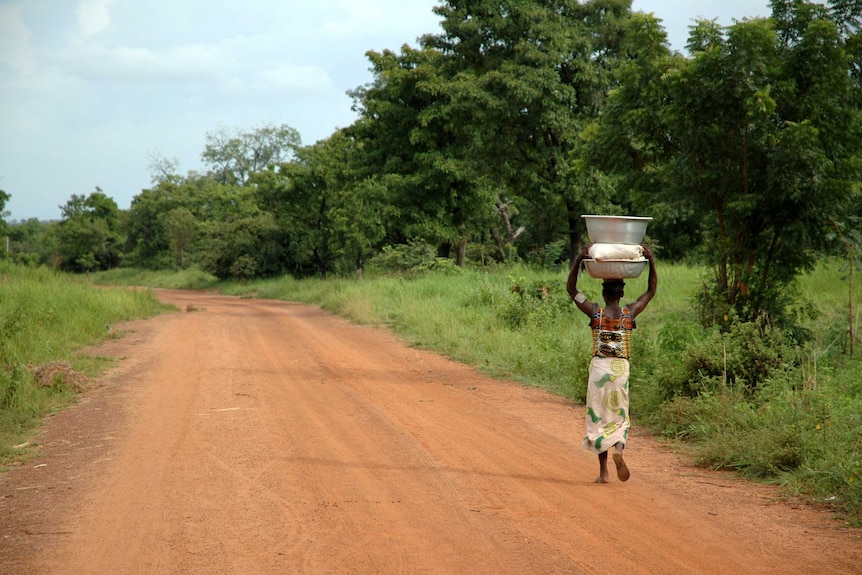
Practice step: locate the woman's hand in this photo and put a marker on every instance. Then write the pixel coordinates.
(647, 252)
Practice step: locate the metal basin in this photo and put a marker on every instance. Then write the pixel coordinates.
(616, 229)
(615, 269)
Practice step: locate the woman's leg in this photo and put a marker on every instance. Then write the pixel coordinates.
(622, 468)
(603, 468)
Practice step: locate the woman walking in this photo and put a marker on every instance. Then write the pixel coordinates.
(608, 385)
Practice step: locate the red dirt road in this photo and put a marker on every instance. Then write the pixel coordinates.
(261, 437)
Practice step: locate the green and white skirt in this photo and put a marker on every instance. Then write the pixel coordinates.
(607, 404)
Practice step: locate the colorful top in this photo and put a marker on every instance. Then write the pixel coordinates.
(612, 337)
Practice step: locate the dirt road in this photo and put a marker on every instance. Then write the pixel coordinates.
(261, 437)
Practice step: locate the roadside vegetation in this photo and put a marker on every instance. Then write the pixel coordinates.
(46, 319)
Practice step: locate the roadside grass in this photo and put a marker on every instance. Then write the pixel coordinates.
(46, 318)
(184, 279)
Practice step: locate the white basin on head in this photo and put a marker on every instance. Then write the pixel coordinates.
(615, 269)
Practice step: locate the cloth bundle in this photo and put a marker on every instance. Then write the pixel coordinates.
(604, 252)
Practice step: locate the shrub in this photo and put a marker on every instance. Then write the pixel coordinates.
(403, 258)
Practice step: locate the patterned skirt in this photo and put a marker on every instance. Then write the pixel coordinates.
(607, 404)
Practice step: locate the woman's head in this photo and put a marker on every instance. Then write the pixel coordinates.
(613, 290)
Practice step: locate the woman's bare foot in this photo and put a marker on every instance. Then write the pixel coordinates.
(622, 468)
(602, 478)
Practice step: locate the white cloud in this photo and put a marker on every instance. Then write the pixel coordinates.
(192, 63)
(15, 48)
(371, 17)
(93, 16)
(291, 78)
(225, 66)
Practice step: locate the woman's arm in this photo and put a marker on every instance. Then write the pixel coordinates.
(580, 299)
(652, 283)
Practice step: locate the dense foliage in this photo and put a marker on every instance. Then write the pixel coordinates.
(757, 135)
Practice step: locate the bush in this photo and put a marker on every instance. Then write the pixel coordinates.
(403, 258)
(744, 357)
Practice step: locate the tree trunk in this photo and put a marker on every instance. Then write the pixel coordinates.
(462, 251)
(511, 235)
(499, 241)
(723, 255)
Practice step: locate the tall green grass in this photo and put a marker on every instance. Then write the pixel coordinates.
(48, 317)
(191, 278)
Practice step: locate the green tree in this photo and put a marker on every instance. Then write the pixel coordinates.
(301, 195)
(527, 77)
(212, 219)
(358, 207)
(164, 221)
(759, 131)
(33, 242)
(147, 244)
(408, 144)
(243, 247)
(88, 234)
(181, 228)
(234, 155)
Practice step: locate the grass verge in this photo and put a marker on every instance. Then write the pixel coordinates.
(46, 318)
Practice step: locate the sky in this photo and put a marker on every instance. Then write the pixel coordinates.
(92, 90)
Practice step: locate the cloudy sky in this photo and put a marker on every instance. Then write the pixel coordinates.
(91, 89)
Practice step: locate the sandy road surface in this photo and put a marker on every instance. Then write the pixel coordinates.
(257, 437)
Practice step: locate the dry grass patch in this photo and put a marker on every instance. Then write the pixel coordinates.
(59, 374)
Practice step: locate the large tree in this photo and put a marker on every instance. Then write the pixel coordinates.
(759, 131)
(409, 147)
(89, 236)
(234, 155)
(181, 229)
(327, 216)
(527, 76)
(359, 205)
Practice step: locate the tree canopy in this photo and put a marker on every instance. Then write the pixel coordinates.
(88, 233)
(234, 155)
(757, 134)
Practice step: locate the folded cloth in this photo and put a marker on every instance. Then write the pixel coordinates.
(601, 252)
